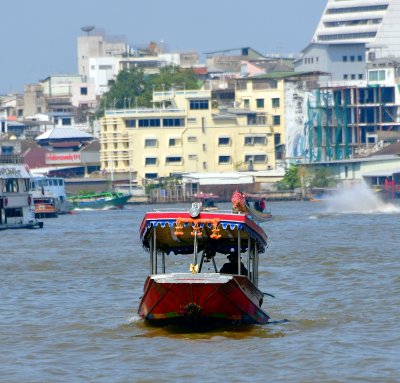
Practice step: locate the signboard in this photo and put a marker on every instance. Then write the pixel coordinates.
(63, 158)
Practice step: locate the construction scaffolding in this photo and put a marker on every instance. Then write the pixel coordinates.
(345, 121)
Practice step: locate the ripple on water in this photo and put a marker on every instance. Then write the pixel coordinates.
(69, 297)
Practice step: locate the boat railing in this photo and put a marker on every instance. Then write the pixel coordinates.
(185, 210)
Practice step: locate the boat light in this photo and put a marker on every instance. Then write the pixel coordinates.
(194, 211)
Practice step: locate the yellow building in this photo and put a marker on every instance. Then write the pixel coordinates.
(183, 133)
(265, 94)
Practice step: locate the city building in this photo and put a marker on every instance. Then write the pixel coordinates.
(184, 132)
(373, 22)
(101, 57)
(344, 63)
(279, 100)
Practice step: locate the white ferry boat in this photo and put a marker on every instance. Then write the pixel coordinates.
(16, 202)
(50, 187)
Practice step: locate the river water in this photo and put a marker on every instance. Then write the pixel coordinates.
(69, 295)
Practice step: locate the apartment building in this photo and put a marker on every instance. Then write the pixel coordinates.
(185, 132)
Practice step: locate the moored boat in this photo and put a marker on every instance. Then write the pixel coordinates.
(102, 200)
(186, 285)
(51, 190)
(16, 203)
(45, 207)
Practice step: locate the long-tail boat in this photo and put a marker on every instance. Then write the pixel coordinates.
(186, 284)
(252, 204)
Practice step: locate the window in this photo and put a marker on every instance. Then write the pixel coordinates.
(84, 91)
(255, 158)
(353, 76)
(150, 142)
(376, 75)
(255, 140)
(174, 142)
(360, 76)
(10, 185)
(150, 161)
(146, 122)
(66, 121)
(173, 159)
(352, 58)
(275, 102)
(246, 104)
(198, 104)
(344, 58)
(192, 157)
(276, 120)
(173, 122)
(130, 123)
(260, 103)
(192, 139)
(150, 176)
(365, 8)
(345, 77)
(7, 149)
(105, 67)
(224, 159)
(346, 36)
(204, 165)
(224, 141)
(359, 58)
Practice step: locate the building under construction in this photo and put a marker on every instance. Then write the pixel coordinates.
(351, 121)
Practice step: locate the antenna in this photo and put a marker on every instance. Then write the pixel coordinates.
(87, 29)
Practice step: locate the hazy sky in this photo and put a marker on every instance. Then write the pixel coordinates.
(38, 37)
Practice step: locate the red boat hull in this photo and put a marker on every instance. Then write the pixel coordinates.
(201, 298)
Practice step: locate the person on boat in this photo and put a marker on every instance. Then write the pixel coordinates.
(231, 267)
(262, 204)
(208, 203)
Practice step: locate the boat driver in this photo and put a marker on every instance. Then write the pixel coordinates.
(231, 267)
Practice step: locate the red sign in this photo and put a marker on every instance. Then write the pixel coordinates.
(63, 158)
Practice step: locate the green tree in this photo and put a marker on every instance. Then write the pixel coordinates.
(292, 178)
(129, 89)
(173, 76)
(132, 88)
(321, 177)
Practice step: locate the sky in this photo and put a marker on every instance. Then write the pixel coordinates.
(38, 38)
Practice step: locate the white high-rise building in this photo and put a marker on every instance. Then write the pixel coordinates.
(374, 22)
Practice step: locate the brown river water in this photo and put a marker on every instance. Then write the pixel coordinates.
(69, 295)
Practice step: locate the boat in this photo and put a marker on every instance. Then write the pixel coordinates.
(322, 194)
(208, 200)
(186, 285)
(102, 200)
(16, 203)
(49, 191)
(252, 204)
(45, 207)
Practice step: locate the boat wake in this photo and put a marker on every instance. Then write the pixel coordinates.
(360, 200)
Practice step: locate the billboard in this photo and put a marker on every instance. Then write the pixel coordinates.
(63, 158)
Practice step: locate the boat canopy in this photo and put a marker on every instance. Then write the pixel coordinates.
(175, 231)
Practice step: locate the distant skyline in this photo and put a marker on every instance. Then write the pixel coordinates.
(38, 38)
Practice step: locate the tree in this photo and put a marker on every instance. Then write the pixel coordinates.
(173, 76)
(129, 89)
(322, 177)
(132, 88)
(291, 180)
(306, 176)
